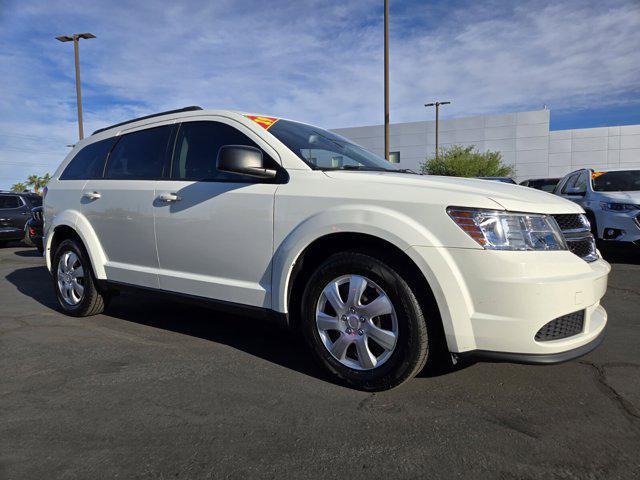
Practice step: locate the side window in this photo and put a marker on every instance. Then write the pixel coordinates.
(196, 150)
(10, 201)
(139, 155)
(581, 182)
(569, 183)
(88, 162)
(35, 200)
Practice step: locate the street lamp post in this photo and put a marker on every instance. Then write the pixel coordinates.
(75, 38)
(386, 79)
(437, 105)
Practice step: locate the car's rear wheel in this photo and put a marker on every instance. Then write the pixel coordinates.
(364, 322)
(74, 282)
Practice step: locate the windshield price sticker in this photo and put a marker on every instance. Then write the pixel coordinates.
(264, 122)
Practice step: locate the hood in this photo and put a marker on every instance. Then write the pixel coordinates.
(510, 197)
(620, 197)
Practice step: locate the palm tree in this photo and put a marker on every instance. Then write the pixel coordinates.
(45, 180)
(18, 187)
(34, 181)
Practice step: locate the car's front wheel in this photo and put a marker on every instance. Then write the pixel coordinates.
(74, 282)
(364, 322)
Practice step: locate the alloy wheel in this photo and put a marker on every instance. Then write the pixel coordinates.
(357, 322)
(70, 276)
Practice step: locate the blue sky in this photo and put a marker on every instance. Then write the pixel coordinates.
(316, 61)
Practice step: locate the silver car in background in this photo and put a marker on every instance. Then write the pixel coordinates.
(611, 199)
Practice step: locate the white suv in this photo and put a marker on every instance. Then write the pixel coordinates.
(380, 268)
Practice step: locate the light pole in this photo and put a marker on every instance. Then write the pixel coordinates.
(437, 105)
(386, 79)
(75, 38)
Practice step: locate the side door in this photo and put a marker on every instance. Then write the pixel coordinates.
(214, 230)
(14, 213)
(119, 206)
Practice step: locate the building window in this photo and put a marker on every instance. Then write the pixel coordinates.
(394, 157)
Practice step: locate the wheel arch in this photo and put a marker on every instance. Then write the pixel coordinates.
(593, 219)
(322, 247)
(73, 225)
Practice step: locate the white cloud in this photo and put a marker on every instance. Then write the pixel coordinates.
(315, 61)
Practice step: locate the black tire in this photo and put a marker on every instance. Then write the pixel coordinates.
(93, 301)
(594, 226)
(412, 347)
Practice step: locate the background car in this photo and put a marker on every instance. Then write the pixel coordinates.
(544, 184)
(611, 199)
(33, 228)
(15, 210)
(499, 179)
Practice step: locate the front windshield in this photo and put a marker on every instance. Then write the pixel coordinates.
(618, 181)
(324, 150)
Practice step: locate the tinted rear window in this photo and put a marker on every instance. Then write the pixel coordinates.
(9, 201)
(139, 155)
(88, 162)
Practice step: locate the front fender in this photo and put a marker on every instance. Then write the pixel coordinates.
(79, 223)
(389, 225)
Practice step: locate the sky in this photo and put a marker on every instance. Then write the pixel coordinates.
(316, 61)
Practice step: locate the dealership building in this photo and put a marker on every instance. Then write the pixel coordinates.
(523, 138)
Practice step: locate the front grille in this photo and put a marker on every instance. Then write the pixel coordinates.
(569, 221)
(577, 234)
(583, 247)
(562, 327)
(37, 216)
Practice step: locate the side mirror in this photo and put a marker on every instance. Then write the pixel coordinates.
(243, 160)
(576, 191)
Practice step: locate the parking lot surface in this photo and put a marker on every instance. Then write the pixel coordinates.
(159, 389)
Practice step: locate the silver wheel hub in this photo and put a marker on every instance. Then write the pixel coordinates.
(70, 278)
(357, 322)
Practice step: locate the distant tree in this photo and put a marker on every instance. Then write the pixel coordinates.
(457, 161)
(18, 187)
(44, 180)
(34, 181)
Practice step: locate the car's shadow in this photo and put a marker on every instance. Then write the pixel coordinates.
(629, 255)
(28, 253)
(254, 336)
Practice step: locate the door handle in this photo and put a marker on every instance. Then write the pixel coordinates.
(91, 195)
(169, 197)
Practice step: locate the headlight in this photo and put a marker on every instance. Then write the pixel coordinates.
(617, 207)
(499, 230)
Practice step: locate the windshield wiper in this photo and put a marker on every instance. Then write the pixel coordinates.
(405, 170)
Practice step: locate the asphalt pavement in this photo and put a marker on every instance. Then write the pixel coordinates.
(159, 389)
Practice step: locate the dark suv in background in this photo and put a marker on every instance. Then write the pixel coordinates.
(15, 210)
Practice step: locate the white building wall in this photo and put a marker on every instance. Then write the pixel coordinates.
(597, 148)
(523, 138)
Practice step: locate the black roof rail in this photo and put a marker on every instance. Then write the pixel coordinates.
(179, 110)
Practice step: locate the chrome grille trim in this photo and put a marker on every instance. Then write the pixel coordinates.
(577, 233)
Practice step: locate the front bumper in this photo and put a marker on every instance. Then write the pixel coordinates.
(533, 358)
(618, 226)
(495, 302)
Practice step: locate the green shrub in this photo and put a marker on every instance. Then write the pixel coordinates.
(457, 161)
